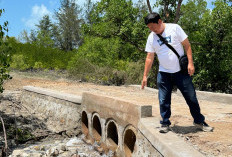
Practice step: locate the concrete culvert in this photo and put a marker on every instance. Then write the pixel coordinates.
(84, 119)
(129, 142)
(97, 130)
(112, 136)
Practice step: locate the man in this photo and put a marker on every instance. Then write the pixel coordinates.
(169, 69)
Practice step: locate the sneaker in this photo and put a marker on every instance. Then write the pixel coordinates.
(204, 126)
(164, 128)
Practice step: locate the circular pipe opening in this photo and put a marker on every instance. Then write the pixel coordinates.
(97, 131)
(112, 136)
(84, 120)
(129, 142)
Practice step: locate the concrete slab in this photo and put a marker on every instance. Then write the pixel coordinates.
(169, 144)
(56, 94)
(201, 95)
(214, 97)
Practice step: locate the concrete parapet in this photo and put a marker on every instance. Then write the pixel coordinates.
(123, 112)
(59, 95)
(118, 120)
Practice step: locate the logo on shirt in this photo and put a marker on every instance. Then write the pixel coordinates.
(168, 39)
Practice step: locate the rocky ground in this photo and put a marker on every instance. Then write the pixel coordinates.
(218, 115)
(27, 136)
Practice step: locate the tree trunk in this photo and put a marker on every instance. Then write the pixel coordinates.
(166, 12)
(149, 6)
(178, 11)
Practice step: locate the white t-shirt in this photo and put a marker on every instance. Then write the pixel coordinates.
(168, 61)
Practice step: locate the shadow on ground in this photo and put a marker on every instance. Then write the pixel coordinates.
(19, 129)
(184, 129)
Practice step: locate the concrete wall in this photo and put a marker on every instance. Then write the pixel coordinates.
(60, 112)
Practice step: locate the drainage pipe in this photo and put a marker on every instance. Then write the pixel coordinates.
(129, 140)
(112, 135)
(96, 127)
(84, 125)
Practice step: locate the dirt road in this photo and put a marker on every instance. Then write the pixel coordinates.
(218, 115)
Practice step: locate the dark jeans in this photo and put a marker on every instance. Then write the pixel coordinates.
(184, 84)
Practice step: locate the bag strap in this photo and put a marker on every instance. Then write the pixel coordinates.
(168, 45)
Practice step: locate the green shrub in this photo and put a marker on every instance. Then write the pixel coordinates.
(100, 51)
(19, 63)
(38, 65)
(5, 55)
(118, 77)
(79, 67)
(134, 72)
(82, 68)
(34, 56)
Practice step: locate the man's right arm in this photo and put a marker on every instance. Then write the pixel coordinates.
(148, 64)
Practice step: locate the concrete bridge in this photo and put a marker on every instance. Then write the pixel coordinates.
(126, 127)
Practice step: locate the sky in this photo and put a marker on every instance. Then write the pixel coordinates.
(25, 14)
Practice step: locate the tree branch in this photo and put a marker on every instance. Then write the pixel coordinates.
(166, 12)
(132, 43)
(149, 6)
(4, 150)
(178, 11)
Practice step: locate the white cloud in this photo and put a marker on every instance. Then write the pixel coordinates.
(53, 3)
(37, 13)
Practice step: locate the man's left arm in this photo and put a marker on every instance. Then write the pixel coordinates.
(188, 50)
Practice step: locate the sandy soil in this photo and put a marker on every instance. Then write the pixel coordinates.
(218, 115)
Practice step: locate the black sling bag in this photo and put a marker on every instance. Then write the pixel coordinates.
(183, 60)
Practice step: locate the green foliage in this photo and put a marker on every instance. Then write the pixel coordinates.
(192, 14)
(134, 72)
(122, 20)
(211, 43)
(114, 41)
(44, 39)
(88, 9)
(45, 25)
(4, 54)
(111, 42)
(31, 56)
(80, 66)
(118, 77)
(23, 135)
(18, 62)
(115, 35)
(38, 65)
(69, 24)
(127, 73)
(170, 7)
(100, 51)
